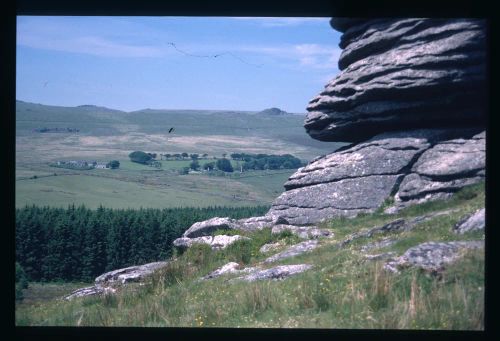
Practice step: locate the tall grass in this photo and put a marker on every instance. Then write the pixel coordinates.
(343, 290)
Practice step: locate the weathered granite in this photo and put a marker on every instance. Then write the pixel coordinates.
(94, 290)
(378, 245)
(266, 248)
(304, 232)
(108, 282)
(431, 256)
(294, 250)
(397, 225)
(216, 242)
(131, 274)
(205, 228)
(411, 165)
(229, 268)
(384, 154)
(392, 71)
(443, 169)
(472, 222)
(258, 223)
(275, 273)
(316, 203)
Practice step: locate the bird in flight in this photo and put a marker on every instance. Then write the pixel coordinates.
(171, 130)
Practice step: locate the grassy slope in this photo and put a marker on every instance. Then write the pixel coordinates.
(183, 191)
(342, 291)
(136, 185)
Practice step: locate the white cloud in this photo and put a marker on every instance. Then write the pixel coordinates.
(308, 55)
(87, 44)
(77, 37)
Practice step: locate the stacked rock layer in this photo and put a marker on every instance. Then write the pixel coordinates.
(411, 97)
(402, 74)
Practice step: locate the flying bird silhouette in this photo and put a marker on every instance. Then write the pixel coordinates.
(171, 130)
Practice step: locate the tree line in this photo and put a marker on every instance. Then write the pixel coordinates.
(267, 161)
(79, 244)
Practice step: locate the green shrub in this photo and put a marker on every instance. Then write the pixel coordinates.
(140, 157)
(224, 165)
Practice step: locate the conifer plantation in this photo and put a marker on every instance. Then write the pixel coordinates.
(79, 244)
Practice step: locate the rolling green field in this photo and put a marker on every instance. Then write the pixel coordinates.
(186, 190)
(107, 134)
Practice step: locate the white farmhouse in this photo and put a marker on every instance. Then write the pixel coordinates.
(101, 166)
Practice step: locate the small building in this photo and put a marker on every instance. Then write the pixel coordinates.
(101, 166)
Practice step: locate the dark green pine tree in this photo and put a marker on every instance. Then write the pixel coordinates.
(93, 253)
(113, 242)
(138, 231)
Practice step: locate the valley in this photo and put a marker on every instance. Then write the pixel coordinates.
(105, 134)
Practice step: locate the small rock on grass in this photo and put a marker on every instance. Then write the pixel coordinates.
(294, 250)
(430, 256)
(471, 222)
(278, 272)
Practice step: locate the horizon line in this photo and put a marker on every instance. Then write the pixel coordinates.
(143, 109)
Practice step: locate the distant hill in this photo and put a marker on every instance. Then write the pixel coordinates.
(98, 121)
(274, 112)
(88, 118)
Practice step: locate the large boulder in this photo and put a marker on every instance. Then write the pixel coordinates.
(206, 227)
(415, 166)
(402, 74)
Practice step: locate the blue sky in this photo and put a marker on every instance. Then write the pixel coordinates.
(130, 63)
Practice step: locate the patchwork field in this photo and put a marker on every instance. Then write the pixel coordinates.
(106, 134)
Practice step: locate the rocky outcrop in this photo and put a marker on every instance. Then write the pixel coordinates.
(413, 166)
(258, 223)
(205, 228)
(218, 242)
(400, 74)
(109, 281)
(472, 222)
(94, 290)
(378, 245)
(431, 256)
(397, 225)
(293, 251)
(411, 96)
(131, 274)
(266, 248)
(304, 232)
(444, 169)
(276, 273)
(229, 268)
